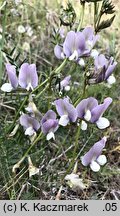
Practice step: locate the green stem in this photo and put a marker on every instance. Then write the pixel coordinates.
(2, 42)
(17, 114)
(17, 165)
(81, 17)
(31, 146)
(95, 14)
(74, 152)
(38, 95)
(58, 70)
(39, 86)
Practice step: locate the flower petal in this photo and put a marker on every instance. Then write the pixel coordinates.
(102, 160)
(110, 69)
(49, 125)
(11, 71)
(69, 43)
(94, 152)
(6, 87)
(64, 107)
(95, 167)
(87, 115)
(64, 120)
(111, 80)
(28, 76)
(58, 51)
(29, 131)
(50, 114)
(65, 82)
(100, 62)
(98, 111)
(102, 123)
(50, 135)
(26, 121)
(86, 104)
(83, 125)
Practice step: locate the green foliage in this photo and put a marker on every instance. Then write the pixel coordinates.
(54, 157)
(68, 16)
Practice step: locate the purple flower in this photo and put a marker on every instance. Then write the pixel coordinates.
(66, 111)
(93, 157)
(49, 124)
(90, 39)
(104, 69)
(73, 46)
(12, 77)
(76, 45)
(28, 78)
(62, 32)
(89, 110)
(30, 124)
(65, 83)
(58, 51)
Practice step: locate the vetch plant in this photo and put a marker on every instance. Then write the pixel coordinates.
(49, 108)
(66, 111)
(49, 124)
(12, 77)
(93, 157)
(30, 124)
(90, 111)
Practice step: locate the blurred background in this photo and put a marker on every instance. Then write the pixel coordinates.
(28, 28)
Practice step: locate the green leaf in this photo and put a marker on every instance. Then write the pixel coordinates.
(105, 24)
(107, 7)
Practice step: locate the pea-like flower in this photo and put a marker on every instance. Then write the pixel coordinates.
(76, 45)
(28, 78)
(12, 77)
(66, 111)
(89, 110)
(49, 124)
(30, 124)
(90, 39)
(103, 70)
(93, 157)
(65, 83)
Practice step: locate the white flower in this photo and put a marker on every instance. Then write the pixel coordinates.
(74, 181)
(29, 31)
(17, 1)
(32, 169)
(21, 29)
(26, 47)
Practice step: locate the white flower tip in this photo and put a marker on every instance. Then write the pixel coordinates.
(102, 123)
(62, 55)
(83, 125)
(87, 115)
(29, 131)
(21, 29)
(95, 167)
(6, 87)
(111, 80)
(74, 56)
(102, 160)
(81, 62)
(29, 87)
(50, 135)
(67, 88)
(94, 53)
(64, 120)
